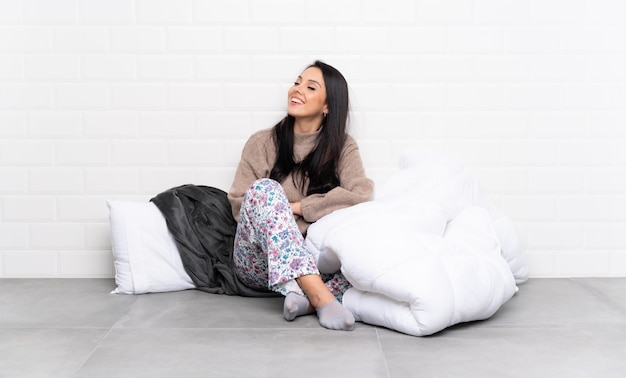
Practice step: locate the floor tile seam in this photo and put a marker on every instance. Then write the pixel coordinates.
(576, 328)
(60, 328)
(123, 315)
(382, 352)
(573, 325)
(230, 328)
(576, 325)
(91, 352)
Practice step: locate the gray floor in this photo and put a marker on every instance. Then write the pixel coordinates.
(75, 328)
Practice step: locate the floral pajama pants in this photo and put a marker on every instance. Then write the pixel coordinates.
(269, 249)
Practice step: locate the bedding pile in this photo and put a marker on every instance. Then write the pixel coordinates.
(430, 251)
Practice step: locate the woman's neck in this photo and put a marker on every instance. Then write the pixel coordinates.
(307, 126)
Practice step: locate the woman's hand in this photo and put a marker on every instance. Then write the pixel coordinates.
(296, 208)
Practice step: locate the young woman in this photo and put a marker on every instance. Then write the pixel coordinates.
(289, 176)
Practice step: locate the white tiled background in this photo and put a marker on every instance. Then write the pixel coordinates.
(123, 99)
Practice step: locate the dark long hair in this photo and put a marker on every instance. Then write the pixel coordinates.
(320, 165)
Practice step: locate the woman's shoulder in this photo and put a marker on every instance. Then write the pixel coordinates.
(261, 137)
(262, 134)
(350, 142)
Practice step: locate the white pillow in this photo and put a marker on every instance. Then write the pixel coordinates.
(144, 252)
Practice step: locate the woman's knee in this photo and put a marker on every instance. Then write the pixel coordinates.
(265, 185)
(264, 191)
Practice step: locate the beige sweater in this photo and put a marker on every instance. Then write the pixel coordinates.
(257, 160)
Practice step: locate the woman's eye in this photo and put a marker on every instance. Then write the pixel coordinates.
(311, 88)
(296, 83)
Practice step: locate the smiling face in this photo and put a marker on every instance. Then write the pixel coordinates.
(307, 97)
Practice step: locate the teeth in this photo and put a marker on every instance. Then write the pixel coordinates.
(297, 101)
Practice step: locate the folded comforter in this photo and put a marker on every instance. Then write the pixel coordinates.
(428, 252)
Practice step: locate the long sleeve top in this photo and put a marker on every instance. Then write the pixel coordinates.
(258, 158)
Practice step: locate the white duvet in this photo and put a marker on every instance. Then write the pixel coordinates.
(430, 251)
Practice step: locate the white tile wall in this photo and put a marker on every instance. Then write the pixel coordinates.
(127, 98)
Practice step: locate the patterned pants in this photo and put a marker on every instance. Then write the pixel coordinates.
(269, 249)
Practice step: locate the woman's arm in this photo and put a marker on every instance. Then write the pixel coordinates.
(354, 187)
